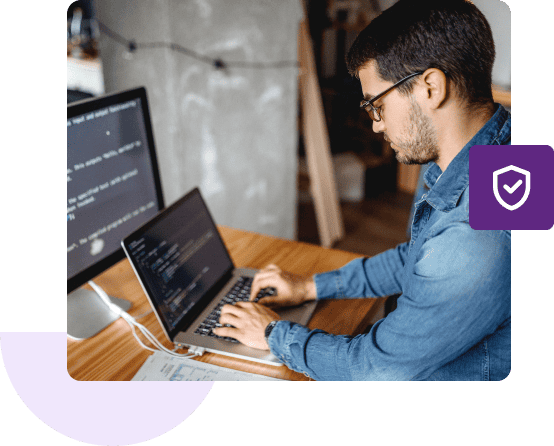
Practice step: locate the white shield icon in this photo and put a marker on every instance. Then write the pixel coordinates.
(510, 190)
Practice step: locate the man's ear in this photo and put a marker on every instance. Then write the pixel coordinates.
(433, 88)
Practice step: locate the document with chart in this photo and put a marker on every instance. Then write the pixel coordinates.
(162, 367)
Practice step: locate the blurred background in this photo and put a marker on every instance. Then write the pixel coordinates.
(222, 78)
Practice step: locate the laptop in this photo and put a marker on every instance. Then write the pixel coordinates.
(187, 275)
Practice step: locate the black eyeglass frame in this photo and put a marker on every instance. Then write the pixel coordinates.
(364, 104)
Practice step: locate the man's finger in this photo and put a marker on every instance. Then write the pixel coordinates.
(271, 301)
(258, 280)
(260, 285)
(230, 319)
(230, 332)
(232, 309)
(244, 305)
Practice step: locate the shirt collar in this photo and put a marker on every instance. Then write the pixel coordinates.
(444, 194)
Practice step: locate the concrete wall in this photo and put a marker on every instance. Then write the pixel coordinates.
(500, 19)
(232, 133)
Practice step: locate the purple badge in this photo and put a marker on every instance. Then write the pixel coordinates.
(511, 187)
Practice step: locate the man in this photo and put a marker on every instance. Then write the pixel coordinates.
(425, 69)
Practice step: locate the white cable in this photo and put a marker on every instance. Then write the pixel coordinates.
(138, 339)
(133, 323)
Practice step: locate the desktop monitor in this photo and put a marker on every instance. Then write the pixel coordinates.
(113, 187)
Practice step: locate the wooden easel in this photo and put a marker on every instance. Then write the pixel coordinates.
(316, 141)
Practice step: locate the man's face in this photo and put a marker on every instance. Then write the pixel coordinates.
(409, 131)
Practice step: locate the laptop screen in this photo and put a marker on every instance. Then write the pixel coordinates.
(179, 257)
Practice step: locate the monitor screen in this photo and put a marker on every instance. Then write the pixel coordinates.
(113, 185)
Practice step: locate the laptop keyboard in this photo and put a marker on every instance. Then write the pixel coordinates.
(240, 292)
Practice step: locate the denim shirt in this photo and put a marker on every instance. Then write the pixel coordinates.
(452, 320)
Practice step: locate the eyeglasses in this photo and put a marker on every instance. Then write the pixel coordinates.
(375, 112)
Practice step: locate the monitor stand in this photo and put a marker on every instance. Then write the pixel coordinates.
(87, 314)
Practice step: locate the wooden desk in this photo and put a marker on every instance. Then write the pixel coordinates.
(114, 354)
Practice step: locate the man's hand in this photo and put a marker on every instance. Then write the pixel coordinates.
(291, 288)
(249, 321)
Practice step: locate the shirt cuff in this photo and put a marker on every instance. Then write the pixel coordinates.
(276, 340)
(287, 340)
(329, 285)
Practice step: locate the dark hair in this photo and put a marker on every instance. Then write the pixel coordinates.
(414, 35)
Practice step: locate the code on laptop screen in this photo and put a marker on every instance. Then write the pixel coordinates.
(180, 257)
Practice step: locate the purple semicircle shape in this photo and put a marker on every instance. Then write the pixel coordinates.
(94, 412)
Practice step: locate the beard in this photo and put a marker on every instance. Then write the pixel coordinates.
(419, 141)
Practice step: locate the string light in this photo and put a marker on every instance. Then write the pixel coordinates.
(132, 47)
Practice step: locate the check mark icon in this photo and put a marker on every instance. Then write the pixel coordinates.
(512, 189)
